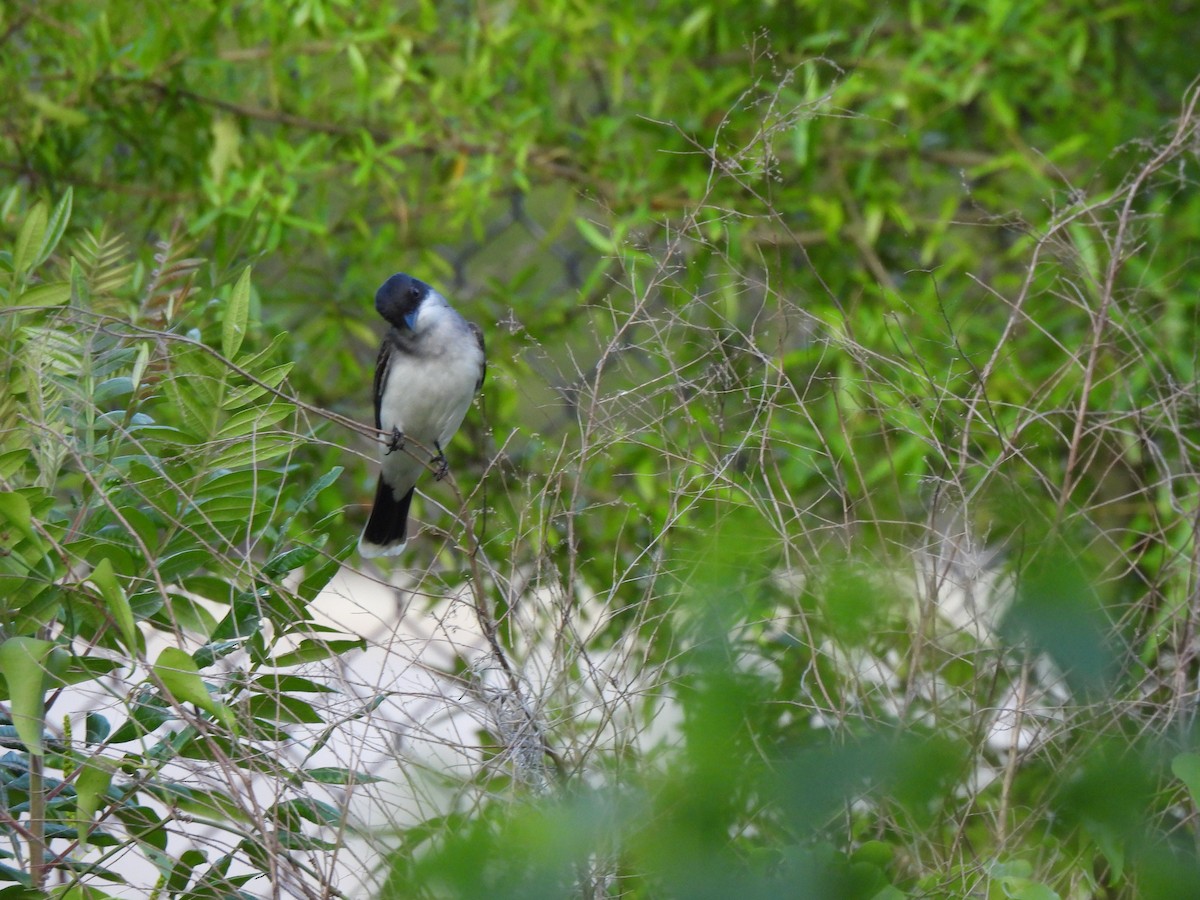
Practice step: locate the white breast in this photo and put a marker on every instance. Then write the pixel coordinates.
(428, 397)
(429, 391)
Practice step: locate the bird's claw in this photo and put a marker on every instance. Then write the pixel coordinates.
(395, 442)
(441, 468)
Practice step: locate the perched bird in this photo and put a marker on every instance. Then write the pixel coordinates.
(430, 367)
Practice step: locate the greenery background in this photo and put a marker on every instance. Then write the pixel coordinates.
(815, 331)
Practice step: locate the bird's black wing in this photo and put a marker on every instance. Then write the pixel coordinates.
(382, 365)
(478, 332)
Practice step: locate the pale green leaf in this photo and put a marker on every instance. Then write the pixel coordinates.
(338, 775)
(225, 153)
(1111, 844)
(55, 293)
(262, 449)
(314, 651)
(237, 314)
(93, 780)
(179, 675)
(272, 378)
(12, 462)
(14, 509)
(55, 227)
(595, 237)
(23, 664)
(54, 110)
(139, 364)
(1186, 767)
(311, 494)
(696, 21)
(1031, 891)
(292, 559)
(1089, 257)
(255, 419)
(33, 230)
(117, 603)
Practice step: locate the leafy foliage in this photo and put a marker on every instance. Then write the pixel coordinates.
(832, 516)
(138, 463)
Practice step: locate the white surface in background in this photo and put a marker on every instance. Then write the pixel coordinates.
(422, 735)
(423, 727)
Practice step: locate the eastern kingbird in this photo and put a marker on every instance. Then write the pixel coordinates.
(430, 367)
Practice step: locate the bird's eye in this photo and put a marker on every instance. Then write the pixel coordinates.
(414, 292)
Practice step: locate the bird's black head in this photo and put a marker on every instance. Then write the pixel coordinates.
(399, 298)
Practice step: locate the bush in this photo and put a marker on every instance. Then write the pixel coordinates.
(827, 524)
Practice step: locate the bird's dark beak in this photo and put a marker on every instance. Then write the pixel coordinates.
(410, 319)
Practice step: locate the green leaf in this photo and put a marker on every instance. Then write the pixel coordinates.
(139, 364)
(259, 451)
(1089, 258)
(80, 892)
(18, 891)
(1186, 767)
(14, 509)
(179, 675)
(594, 236)
(147, 713)
(13, 462)
(237, 314)
(243, 620)
(229, 484)
(313, 651)
(272, 378)
(214, 650)
(144, 825)
(318, 579)
(117, 603)
(33, 231)
(23, 665)
(292, 559)
(291, 840)
(696, 21)
(318, 812)
(338, 775)
(181, 872)
(1110, 842)
(56, 293)
(195, 389)
(175, 565)
(54, 110)
(310, 495)
(226, 138)
(54, 230)
(81, 668)
(275, 683)
(281, 709)
(94, 778)
(37, 604)
(96, 728)
(1021, 890)
(255, 419)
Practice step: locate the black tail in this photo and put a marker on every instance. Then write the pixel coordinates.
(387, 529)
